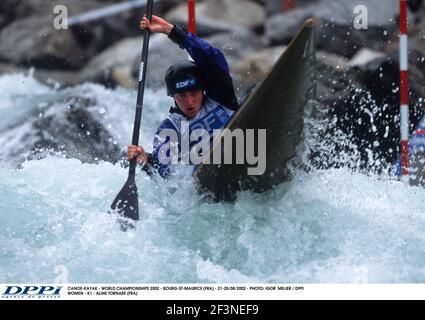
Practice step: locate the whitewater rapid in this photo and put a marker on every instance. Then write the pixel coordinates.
(331, 226)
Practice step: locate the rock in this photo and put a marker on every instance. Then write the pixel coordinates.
(364, 103)
(9, 69)
(34, 42)
(333, 77)
(53, 78)
(205, 26)
(347, 41)
(277, 6)
(119, 65)
(37, 43)
(221, 15)
(281, 28)
(123, 76)
(255, 66)
(416, 40)
(236, 45)
(273, 7)
(75, 131)
(415, 5)
(335, 25)
(417, 37)
(364, 56)
(417, 16)
(342, 12)
(3, 21)
(57, 78)
(417, 169)
(97, 36)
(162, 54)
(333, 61)
(122, 55)
(16, 9)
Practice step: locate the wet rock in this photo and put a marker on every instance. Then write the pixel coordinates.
(162, 54)
(417, 37)
(120, 56)
(119, 65)
(75, 132)
(55, 78)
(252, 69)
(278, 6)
(236, 45)
(281, 28)
(34, 42)
(221, 15)
(335, 25)
(16, 9)
(417, 169)
(415, 5)
(333, 77)
(3, 21)
(364, 56)
(366, 108)
(9, 69)
(347, 41)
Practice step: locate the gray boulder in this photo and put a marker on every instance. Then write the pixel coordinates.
(114, 65)
(34, 42)
(77, 133)
(221, 15)
(54, 78)
(342, 12)
(119, 65)
(255, 66)
(335, 20)
(282, 27)
(70, 126)
(162, 54)
(236, 45)
(364, 103)
(277, 6)
(417, 169)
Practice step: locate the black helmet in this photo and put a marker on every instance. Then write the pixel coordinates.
(183, 76)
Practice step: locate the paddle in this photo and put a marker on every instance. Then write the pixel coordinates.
(126, 204)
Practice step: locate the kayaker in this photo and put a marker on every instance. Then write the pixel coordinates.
(202, 90)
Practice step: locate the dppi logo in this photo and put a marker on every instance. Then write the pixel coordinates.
(32, 292)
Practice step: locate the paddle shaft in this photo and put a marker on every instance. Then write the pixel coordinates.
(141, 86)
(191, 23)
(126, 203)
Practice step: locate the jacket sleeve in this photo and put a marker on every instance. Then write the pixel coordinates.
(213, 64)
(159, 146)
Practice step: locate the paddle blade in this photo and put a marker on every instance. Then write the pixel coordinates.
(126, 203)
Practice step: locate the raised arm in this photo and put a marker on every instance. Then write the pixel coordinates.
(211, 61)
(213, 64)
